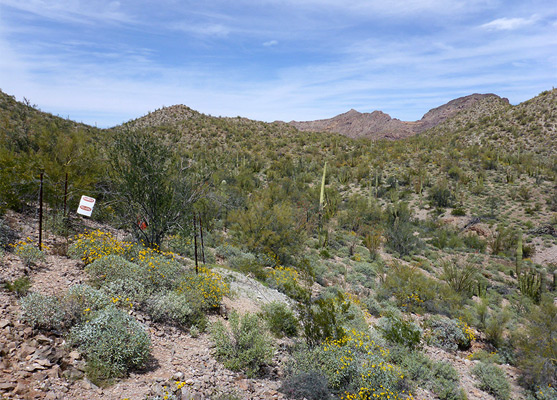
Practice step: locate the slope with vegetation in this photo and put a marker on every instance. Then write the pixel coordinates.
(418, 268)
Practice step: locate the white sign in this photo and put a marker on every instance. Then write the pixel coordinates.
(86, 206)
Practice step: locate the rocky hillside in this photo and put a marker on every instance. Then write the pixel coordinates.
(378, 125)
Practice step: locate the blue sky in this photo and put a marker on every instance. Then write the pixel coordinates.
(105, 62)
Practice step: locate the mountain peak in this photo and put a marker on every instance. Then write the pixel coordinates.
(378, 124)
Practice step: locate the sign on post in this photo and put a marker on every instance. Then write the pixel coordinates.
(86, 206)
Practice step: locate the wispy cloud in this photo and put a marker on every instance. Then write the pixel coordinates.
(270, 43)
(508, 24)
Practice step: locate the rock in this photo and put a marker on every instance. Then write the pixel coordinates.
(7, 386)
(74, 355)
(4, 323)
(21, 388)
(178, 376)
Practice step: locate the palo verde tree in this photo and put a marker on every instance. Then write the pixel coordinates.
(154, 188)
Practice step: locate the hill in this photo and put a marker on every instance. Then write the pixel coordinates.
(422, 265)
(377, 125)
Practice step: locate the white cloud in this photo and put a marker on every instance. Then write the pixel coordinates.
(508, 24)
(270, 43)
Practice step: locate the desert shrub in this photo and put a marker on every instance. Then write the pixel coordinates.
(113, 342)
(473, 241)
(445, 381)
(174, 308)
(322, 318)
(157, 271)
(401, 239)
(445, 237)
(449, 334)
(306, 385)
(267, 226)
(495, 326)
(204, 290)
(110, 268)
(354, 366)
(441, 195)
(245, 347)
(43, 312)
(248, 263)
(492, 380)
(19, 286)
(458, 212)
(503, 241)
(7, 236)
(287, 281)
(401, 331)
(280, 319)
(28, 252)
(459, 278)
(439, 377)
(537, 346)
(90, 246)
(82, 301)
(227, 251)
(413, 291)
(126, 288)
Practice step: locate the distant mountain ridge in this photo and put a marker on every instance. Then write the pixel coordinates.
(378, 125)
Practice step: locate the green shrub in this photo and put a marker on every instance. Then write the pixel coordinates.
(306, 385)
(126, 288)
(352, 364)
(249, 264)
(280, 319)
(441, 195)
(267, 226)
(82, 301)
(449, 334)
(412, 289)
(445, 382)
(113, 342)
(7, 236)
(110, 268)
(322, 318)
(227, 251)
(495, 326)
(19, 286)
(29, 253)
(492, 380)
(473, 241)
(245, 347)
(401, 331)
(459, 278)
(174, 308)
(401, 239)
(43, 312)
(537, 346)
(204, 290)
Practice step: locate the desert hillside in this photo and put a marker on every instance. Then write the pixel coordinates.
(227, 258)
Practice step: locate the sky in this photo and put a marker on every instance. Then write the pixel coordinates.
(105, 62)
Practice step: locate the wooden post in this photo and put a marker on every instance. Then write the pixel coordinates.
(195, 243)
(41, 213)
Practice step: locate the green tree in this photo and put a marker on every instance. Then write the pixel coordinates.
(154, 189)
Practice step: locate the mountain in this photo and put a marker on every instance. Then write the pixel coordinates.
(378, 125)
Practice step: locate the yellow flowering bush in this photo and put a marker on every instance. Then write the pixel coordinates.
(207, 287)
(286, 280)
(28, 252)
(355, 367)
(93, 245)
